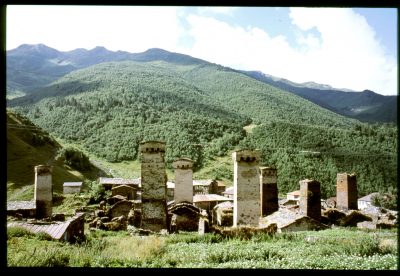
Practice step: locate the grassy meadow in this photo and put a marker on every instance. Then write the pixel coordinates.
(338, 248)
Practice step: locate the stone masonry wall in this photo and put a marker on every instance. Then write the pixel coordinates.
(43, 191)
(310, 198)
(154, 190)
(269, 191)
(246, 183)
(183, 180)
(346, 191)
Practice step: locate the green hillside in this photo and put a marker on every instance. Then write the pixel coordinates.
(366, 106)
(201, 110)
(27, 147)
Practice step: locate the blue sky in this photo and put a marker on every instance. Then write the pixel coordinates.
(342, 47)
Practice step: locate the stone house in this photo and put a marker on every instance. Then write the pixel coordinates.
(365, 201)
(222, 214)
(208, 201)
(204, 187)
(26, 209)
(295, 195)
(72, 187)
(200, 187)
(68, 230)
(121, 208)
(228, 192)
(290, 221)
(221, 187)
(184, 217)
(124, 190)
(109, 183)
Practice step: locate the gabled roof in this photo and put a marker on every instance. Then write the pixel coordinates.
(183, 207)
(221, 183)
(368, 198)
(21, 205)
(55, 229)
(72, 184)
(224, 205)
(228, 191)
(203, 182)
(119, 181)
(294, 193)
(210, 197)
(122, 187)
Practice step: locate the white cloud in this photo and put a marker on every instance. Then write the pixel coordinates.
(350, 55)
(242, 48)
(133, 29)
(345, 54)
(335, 46)
(217, 10)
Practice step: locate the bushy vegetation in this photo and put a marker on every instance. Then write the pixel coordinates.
(200, 111)
(386, 200)
(328, 249)
(74, 158)
(303, 151)
(97, 192)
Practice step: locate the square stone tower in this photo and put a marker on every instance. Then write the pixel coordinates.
(43, 191)
(183, 180)
(346, 191)
(269, 191)
(246, 188)
(310, 198)
(154, 188)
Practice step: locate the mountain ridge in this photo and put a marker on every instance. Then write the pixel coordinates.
(366, 105)
(201, 111)
(32, 66)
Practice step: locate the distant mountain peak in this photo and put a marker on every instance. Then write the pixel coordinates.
(156, 50)
(98, 49)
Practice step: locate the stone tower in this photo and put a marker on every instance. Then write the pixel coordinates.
(154, 191)
(183, 180)
(269, 191)
(43, 191)
(246, 187)
(346, 191)
(310, 198)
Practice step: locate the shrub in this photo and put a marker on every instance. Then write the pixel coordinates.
(43, 236)
(18, 232)
(74, 158)
(97, 193)
(386, 200)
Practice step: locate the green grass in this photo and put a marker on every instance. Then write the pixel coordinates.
(220, 168)
(340, 248)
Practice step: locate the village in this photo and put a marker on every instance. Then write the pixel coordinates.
(152, 204)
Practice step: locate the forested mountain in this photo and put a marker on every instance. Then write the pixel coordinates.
(200, 109)
(33, 66)
(366, 106)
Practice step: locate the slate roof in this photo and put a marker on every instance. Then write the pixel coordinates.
(21, 205)
(368, 198)
(55, 229)
(203, 182)
(210, 197)
(119, 181)
(72, 184)
(228, 191)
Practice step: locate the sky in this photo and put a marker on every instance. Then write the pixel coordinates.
(352, 48)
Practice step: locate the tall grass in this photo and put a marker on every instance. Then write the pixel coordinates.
(328, 249)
